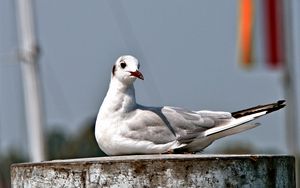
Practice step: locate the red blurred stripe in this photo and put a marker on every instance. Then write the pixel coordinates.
(274, 33)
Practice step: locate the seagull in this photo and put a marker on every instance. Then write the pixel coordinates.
(124, 127)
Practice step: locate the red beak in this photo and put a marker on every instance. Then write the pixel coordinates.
(137, 74)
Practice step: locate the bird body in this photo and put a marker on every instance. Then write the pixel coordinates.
(125, 127)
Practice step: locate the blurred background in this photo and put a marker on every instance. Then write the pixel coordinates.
(214, 55)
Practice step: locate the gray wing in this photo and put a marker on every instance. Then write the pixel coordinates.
(190, 124)
(161, 125)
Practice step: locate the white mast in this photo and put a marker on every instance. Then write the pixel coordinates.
(30, 73)
(290, 82)
(292, 119)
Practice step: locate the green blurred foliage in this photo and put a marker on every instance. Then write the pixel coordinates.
(13, 156)
(60, 145)
(82, 144)
(242, 148)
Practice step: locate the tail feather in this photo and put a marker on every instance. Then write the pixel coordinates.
(268, 108)
(245, 116)
(236, 125)
(242, 117)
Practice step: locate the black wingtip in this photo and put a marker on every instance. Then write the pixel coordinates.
(267, 107)
(281, 102)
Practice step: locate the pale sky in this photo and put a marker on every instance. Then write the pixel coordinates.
(187, 52)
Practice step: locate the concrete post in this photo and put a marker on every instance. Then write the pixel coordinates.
(159, 171)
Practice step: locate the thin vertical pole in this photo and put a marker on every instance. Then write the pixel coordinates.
(289, 82)
(30, 74)
(290, 85)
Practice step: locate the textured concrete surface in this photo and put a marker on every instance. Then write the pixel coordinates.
(159, 171)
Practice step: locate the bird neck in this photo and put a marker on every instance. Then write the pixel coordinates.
(120, 97)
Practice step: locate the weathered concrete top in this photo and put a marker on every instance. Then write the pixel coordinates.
(159, 171)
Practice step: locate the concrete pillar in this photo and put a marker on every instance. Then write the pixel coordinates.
(159, 171)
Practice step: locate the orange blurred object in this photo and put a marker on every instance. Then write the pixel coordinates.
(246, 32)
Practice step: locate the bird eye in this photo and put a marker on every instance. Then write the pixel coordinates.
(123, 64)
(138, 66)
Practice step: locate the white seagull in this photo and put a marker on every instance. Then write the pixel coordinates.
(124, 127)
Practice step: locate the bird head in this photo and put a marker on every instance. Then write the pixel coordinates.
(126, 69)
